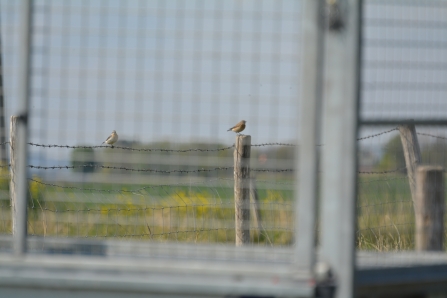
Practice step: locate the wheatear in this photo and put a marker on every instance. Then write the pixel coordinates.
(111, 139)
(238, 127)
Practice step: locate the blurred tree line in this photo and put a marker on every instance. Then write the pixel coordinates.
(204, 162)
(434, 153)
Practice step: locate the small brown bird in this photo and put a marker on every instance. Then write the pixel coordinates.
(111, 139)
(238, 127)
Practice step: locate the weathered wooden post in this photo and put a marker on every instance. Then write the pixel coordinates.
(18, 186)
(254, 199)
(412, 154)
(429, 208)
(242, 189)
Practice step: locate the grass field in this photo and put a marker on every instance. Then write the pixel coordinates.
(385, 213)
(204, 212)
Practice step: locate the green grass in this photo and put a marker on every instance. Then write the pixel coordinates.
(196, 213)
(205, 214)
(385, 213)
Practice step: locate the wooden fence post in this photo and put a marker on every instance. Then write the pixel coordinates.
(429, 208)
(242, 189)
(254, 199)
(412, 154)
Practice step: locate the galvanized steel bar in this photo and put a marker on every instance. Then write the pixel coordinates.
(341, 101)
(20, 186)
(306, 196)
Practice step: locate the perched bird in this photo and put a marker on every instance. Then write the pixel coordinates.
(238, 127)
(111, 139)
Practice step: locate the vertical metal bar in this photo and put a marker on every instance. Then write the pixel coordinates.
(20, 186)
(307, 165)
(3, 158)
(341, 96)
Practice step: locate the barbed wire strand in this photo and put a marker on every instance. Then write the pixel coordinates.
(138, 190)
(190, 149)
(187, 171)
(133, 149)
(382, 172)
(205, 150)
(430, 135)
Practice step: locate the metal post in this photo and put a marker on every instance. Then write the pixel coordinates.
(3, 158)
(242, 189)
(339, 167)
(306, 164)
(20, 185)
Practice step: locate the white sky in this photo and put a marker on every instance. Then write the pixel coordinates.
(188, 70)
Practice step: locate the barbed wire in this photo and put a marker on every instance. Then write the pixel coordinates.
(187, 171)
(189, 149)
(134, 149)
(204, 150)
(273, 144)
(154, 208)
(378, 134)
(137, 190)
(129, 169)
(430, 135)
(382, 172)
(153, 170)
(382, 180)
(370, 136)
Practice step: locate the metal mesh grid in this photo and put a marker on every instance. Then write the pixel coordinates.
(198, 213)
(174, 76)
(170, 77)
(404, 70)
(404, 62)
(386, 216)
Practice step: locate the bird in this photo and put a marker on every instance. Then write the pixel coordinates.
(238, 127)
(111, 139)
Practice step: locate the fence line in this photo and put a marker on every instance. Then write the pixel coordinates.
(209, 150)
(431, 135)
(191, 171)
(190, 149)
(179, 213)
(134, 149)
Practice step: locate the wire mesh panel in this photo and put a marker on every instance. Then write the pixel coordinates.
(170, 77)
(384, 206)
(5, 205)
(404, 61)
(404, 74)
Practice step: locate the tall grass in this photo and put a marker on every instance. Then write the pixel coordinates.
(205, 213)
(161, 213)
